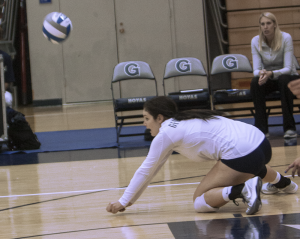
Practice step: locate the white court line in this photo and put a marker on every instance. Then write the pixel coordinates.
(99, 190)
(288, 176)
(88, 191)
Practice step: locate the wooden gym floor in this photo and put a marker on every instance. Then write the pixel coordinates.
(64, 194)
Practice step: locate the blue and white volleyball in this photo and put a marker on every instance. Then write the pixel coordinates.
(57, 27)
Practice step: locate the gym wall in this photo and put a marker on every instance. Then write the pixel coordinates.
(106, 32)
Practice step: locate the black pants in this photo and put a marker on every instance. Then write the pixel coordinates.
(287, 98)
(255, 162)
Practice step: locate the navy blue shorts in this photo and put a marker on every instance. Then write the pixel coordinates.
(254, 162)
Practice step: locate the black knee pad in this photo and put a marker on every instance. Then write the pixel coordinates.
(263, 172)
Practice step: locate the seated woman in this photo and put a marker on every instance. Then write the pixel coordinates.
(272, 55)
(240, 150)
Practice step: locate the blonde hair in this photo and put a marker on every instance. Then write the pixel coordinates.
(277, 40)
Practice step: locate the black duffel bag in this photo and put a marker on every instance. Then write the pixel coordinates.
(20, 135)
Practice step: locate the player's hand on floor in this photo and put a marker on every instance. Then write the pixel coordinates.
(115, 207)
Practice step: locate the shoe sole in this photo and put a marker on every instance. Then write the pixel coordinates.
(268, 192)
(281, 190)
(256, 206)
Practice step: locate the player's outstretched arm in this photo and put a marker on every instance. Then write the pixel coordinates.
(295, 166)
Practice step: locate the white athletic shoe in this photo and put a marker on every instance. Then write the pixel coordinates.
(251, 194)
(269, 188)
(290, 134)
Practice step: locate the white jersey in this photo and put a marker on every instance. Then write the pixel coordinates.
(196, 139)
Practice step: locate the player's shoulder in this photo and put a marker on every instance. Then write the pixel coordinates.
(172, 124)
(171, 127)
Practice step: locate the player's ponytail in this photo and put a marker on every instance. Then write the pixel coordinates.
(167, 107)
(197, 114)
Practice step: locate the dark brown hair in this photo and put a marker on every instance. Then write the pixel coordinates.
(167, 107)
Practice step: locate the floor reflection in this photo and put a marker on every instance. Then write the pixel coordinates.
(280, 141)
(70, 156)
(264, 227)
(290, 142)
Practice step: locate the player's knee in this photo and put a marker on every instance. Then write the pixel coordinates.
(263, 172)
(201, 206)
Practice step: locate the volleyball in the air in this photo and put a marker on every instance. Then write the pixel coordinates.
(57, 27)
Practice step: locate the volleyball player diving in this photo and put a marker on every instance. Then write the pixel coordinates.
(241, 152)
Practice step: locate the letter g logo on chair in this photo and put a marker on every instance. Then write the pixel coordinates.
(183, 65)
(132, 69)
(230, 62)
